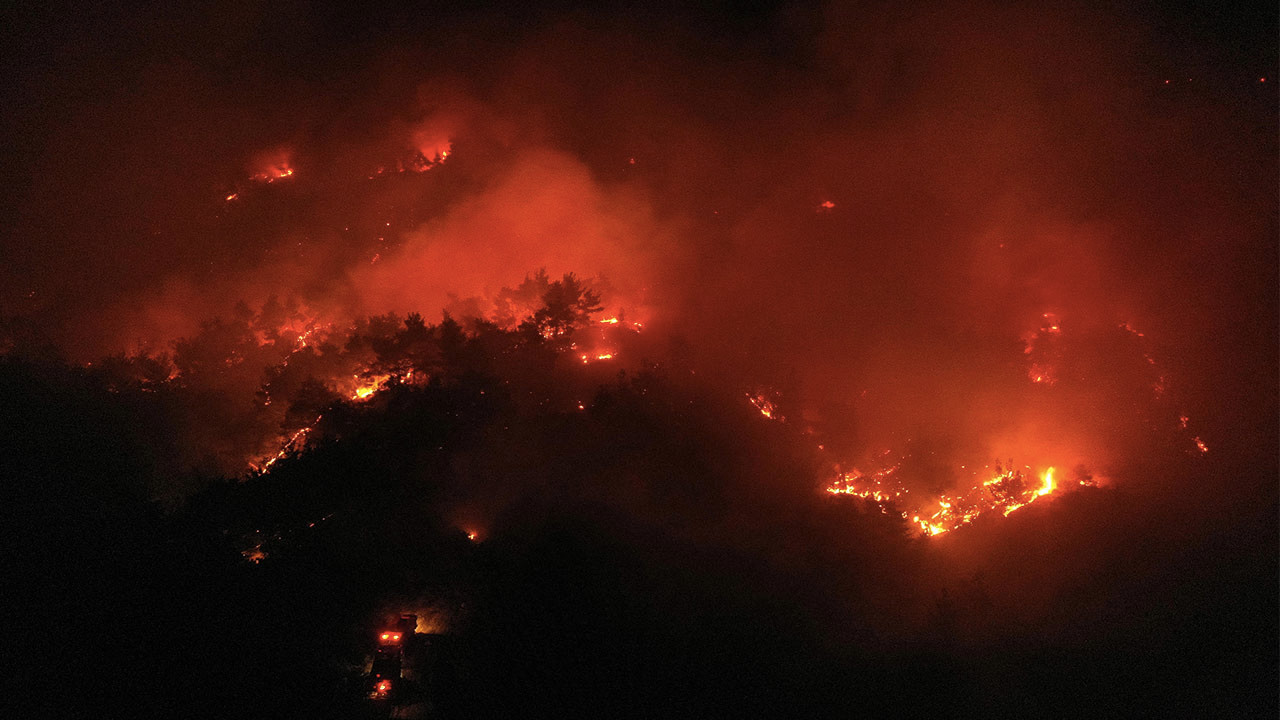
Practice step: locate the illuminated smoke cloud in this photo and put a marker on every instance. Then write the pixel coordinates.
(870, 212)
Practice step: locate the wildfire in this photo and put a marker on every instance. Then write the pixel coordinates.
(367, 389)
(279, 171)
(1006, 490)
(1047, 486)
(295, 441)
(432, 147)
(428, 152)
(1002, 489)
(265, 169)
(300, 333)
(615, 321)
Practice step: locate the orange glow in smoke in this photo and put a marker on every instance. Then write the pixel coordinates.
(433, 147)
(271, 166)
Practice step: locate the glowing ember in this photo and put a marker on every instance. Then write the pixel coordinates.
(1041, 374)
(1160, 384)
(294, 442)
(766, 406)
(1041, 348)
(1127, 327)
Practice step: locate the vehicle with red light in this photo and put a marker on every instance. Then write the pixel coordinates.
(398, 630)
(392, 640)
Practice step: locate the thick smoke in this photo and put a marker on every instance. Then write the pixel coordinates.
(867, 206)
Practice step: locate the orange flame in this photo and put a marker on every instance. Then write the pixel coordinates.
(367, 389)
(1004, 491)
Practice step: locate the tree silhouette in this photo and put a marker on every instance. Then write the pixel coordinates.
(512, 304)
(567, 305)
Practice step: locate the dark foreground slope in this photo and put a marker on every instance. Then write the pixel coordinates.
(662, 551)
